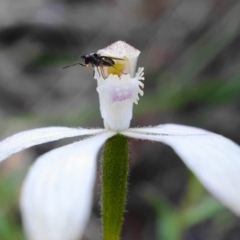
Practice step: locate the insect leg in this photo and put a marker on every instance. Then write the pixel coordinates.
(95, 66)
(102, 71)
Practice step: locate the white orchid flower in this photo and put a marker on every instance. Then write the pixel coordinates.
(57, 193)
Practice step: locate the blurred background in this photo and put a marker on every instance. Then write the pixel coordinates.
(190, 51)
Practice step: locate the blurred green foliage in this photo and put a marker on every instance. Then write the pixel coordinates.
(10, 224)
(195, 207)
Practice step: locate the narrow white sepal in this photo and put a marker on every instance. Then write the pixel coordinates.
(170, 129)
(57, 193)
(212, 157)
(26, 139)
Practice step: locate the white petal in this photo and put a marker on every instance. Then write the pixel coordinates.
(26, 139)
(212, 157)
(57, 193)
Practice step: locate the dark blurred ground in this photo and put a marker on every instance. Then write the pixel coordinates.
(190, 51)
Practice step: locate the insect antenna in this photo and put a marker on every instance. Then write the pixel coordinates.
(84, 65)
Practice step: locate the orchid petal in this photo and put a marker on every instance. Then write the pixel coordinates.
(57, 192)
(26, 139)
(212, 157)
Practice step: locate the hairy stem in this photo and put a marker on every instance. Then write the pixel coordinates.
(114, 185)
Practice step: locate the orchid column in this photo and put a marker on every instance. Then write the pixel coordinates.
(117, 93)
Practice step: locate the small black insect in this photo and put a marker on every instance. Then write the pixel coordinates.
(96, 60)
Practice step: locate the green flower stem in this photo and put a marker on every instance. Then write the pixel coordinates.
(114, 185)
